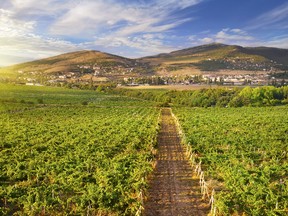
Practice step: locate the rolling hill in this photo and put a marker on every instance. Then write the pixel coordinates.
(214, 57)
(78, 65)
(99, 66)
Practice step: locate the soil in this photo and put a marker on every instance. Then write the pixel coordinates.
(173, 190)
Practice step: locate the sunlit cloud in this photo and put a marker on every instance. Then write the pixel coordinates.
(138, 43)
(51, 27)
(227, 36)
(36, 8)
(207, 40)
(232, 35)
(92, 18)
(9, 26)
(31, 47)
(31, 29)
(17, 39)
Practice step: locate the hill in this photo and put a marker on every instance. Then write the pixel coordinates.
(87, 66)
(214, 57)
(84, 65)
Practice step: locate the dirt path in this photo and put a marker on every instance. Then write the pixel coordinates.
(172, 190)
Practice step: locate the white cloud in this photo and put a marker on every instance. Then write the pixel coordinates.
(281, 42)
(242, 38)
(10, 26)
(146, 44)
(88, 18)
(192, 38)
(227, 36)
(115, 24)
(26, 8)
(276, 18)
(92, 17)
(147, 27)
(207, 40)
(234, 36)
(31, 47)
(18, 41)
(27, 27)
(177, 3)
(238, 31)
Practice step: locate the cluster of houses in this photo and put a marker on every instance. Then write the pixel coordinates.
(246, 79)
(98, 70)
(229, 80)
(80, 74)
(130, 76)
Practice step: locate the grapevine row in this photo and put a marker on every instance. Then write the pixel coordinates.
(245, 152)
(76, 159)
(197, 169)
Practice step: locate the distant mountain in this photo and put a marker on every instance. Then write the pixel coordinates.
(78, 65)
(213, 57)
(98, 66)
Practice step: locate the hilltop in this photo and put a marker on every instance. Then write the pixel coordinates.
(86, 66)
(81, 65)
(215, 57)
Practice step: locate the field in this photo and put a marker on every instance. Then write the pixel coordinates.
(245, 150)
(76, 152)
(65, 156)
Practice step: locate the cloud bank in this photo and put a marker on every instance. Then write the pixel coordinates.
(33, 29)
(51, 27)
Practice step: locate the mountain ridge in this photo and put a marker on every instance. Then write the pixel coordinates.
(208, 57)
(217, 56)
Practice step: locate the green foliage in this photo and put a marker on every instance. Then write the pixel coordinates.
(65, 158)
(260, 96)
(245, 149)
(17, 97)
(214, 65)
(68, 159)
(220, 97)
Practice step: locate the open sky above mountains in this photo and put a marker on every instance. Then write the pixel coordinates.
(33, 29)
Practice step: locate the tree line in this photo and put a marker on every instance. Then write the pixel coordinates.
(220, 97)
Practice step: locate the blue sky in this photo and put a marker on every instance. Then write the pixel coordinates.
(34, 29)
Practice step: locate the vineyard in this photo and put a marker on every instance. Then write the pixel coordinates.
(245, 151)
(78, 152)
(61, 158)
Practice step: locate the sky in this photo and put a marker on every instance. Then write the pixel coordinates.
(35, 29)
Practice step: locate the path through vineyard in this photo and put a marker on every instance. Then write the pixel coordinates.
(172, 189)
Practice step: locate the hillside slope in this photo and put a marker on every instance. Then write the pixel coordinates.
(79, 64)
(213, 57)
(98, 66)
